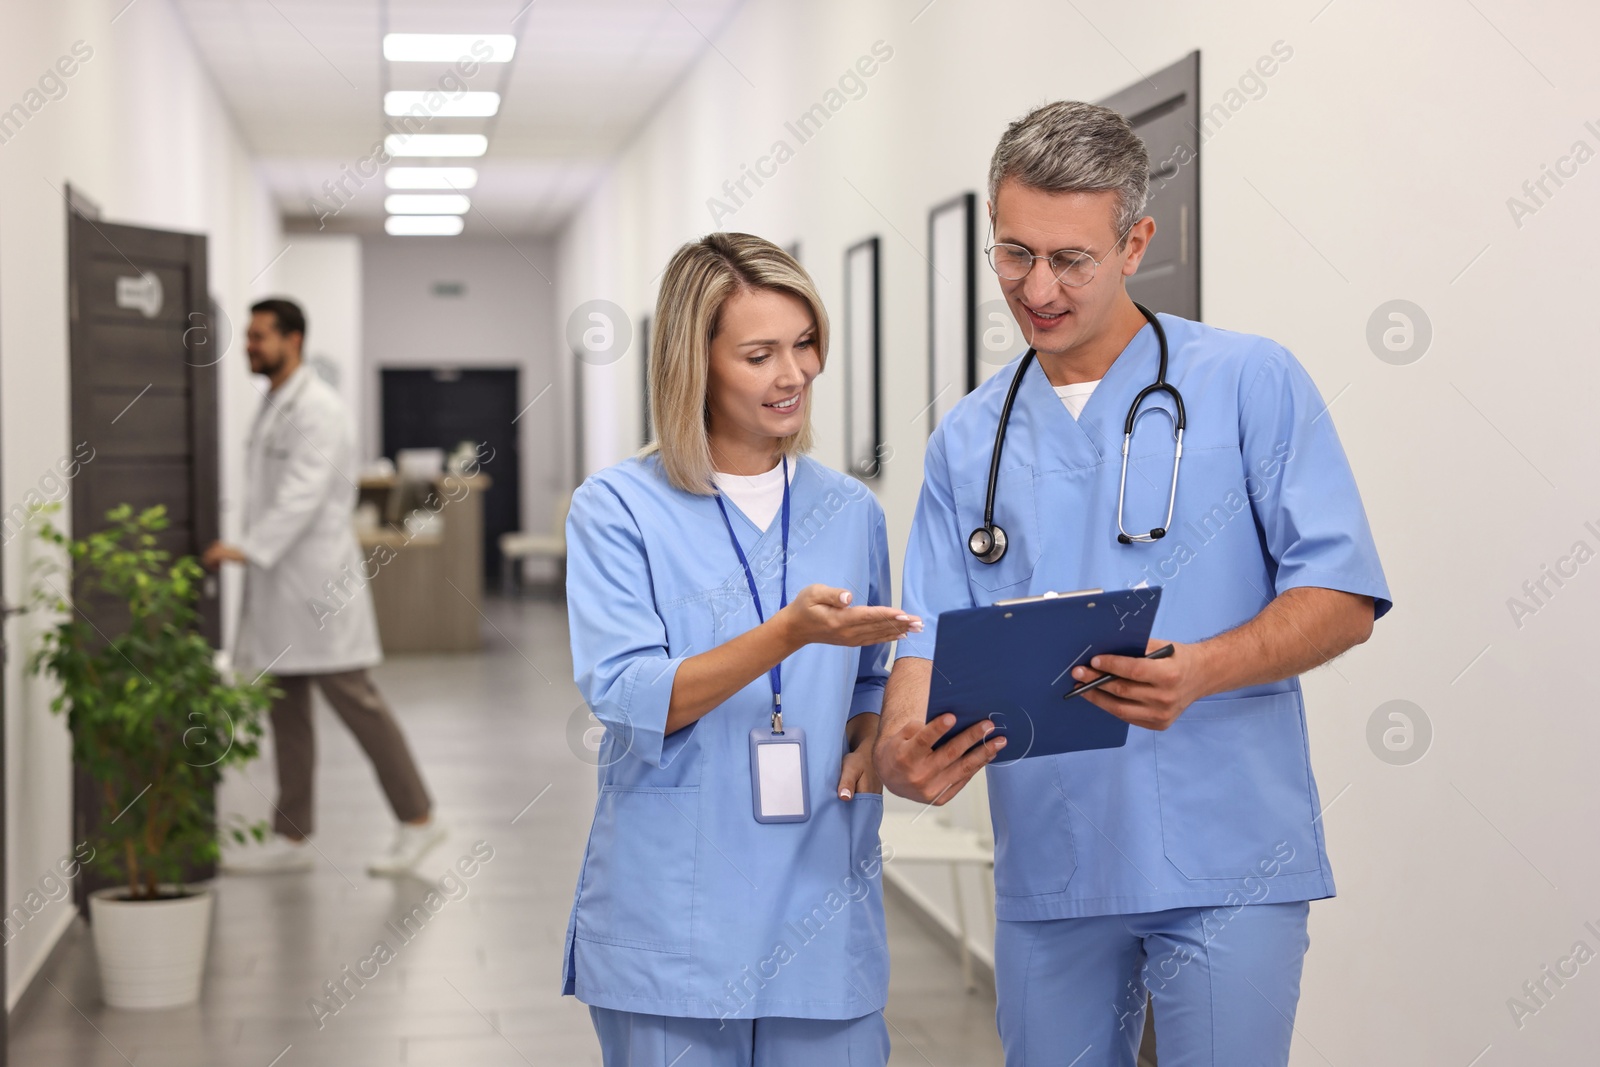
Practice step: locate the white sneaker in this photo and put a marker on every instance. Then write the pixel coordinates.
(411, 843)
(279, 853)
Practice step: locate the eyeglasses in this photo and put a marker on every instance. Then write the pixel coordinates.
(1070, 266)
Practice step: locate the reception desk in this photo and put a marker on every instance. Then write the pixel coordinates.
(426, 561)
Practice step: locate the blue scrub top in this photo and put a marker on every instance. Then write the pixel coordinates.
(1221, 808)
(687, 906)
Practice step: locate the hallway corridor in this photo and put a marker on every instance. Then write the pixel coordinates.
(477, 983)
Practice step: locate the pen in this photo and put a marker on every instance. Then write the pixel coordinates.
(1161, 653)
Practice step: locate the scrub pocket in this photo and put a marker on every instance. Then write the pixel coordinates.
(866, 819)
(1016, 514)
(1234, 781)
(637, 888)
(1034, 853)
(700, 622)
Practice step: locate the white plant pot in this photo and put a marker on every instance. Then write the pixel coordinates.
(152, 952)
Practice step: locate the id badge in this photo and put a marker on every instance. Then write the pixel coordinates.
(778, 775)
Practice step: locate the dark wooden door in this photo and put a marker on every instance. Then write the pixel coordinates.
(442, 407)
(143, 369)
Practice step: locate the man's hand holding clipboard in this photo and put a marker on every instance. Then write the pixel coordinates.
(1149, 691)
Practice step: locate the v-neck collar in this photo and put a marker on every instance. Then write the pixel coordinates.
(774, 528)
(794, 472)
(1097, 431)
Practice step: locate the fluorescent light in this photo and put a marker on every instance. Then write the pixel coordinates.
(436, 144)
(431, 102)
(426, 204)
(422, 225)
(448, 47)
(430, 177)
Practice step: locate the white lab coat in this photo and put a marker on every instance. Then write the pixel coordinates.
(307, 605)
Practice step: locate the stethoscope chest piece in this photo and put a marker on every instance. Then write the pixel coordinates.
(988, 543)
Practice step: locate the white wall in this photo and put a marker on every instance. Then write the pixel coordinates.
(1376, 164)
(140, 129)
(501, 319)
(322, 273)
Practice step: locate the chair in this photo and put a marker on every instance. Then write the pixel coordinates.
(517, 546)
(930, 836)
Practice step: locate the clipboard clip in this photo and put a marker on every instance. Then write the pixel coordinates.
(1047, 596)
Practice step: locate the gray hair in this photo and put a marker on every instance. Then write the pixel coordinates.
(1071, 146)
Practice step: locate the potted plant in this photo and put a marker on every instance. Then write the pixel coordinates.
(154, 724)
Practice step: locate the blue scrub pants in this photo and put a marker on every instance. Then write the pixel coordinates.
(1224, 982)
(630, 1039)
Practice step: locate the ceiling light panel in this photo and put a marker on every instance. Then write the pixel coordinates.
(426, 204)
(422, 225)
(448, 47)
(452, 178)
(431, 103)
(436, 144)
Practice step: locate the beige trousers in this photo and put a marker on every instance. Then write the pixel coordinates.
(358, 703)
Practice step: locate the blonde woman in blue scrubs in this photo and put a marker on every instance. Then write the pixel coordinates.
(729, 910)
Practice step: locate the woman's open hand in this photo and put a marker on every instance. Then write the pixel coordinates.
(821, 614)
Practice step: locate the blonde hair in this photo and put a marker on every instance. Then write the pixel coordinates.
(698, 281)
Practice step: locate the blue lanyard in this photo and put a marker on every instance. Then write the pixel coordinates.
(776, 674)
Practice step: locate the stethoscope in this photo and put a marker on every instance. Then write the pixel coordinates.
(988, 542)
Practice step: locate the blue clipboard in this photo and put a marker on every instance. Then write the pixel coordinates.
(1012, 663)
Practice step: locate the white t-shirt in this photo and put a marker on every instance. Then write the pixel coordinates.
(1075, 396)
(757, 495)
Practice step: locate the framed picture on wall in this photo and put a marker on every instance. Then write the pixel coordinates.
(952, 305)
(580, 462)
(862, 409)
(1164, 110)
(644, 379)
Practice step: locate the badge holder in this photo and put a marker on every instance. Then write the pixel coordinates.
(778, 783)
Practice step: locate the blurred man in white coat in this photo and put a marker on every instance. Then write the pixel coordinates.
(298, 538)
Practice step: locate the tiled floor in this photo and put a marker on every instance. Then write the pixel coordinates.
(478, 985)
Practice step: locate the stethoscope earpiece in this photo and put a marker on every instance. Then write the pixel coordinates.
(1154, 535)
(988, 543)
